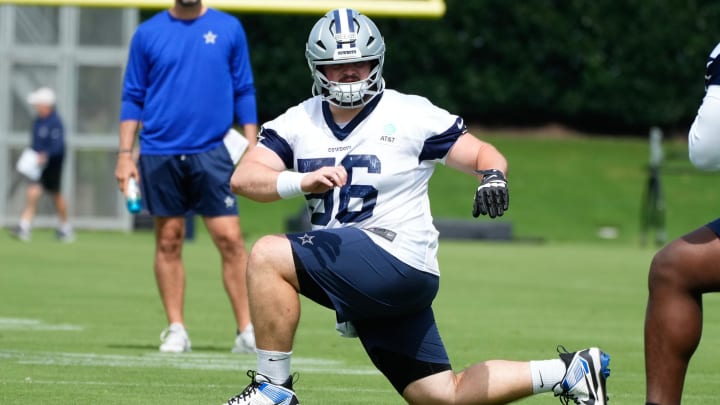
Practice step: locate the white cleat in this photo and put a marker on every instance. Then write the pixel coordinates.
(262, 392)
(174, 339)
(585, 377)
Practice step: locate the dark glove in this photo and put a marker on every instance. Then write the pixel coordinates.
(492, 197)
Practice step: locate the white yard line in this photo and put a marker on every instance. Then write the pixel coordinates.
(187, 361)
(185, 385)
(34, 325)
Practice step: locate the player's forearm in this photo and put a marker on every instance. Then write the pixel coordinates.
(128, 132)
(489, 157)
(250, 131)
(255, 181)
(470, 154)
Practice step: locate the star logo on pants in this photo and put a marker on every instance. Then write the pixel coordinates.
(229, 202)
(306, 239)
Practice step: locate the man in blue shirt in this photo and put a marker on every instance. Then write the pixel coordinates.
(188, 80)
(48, 140)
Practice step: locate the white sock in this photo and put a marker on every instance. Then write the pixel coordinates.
(545, 374)
(274, 365)
(65, 227)
(24, 225)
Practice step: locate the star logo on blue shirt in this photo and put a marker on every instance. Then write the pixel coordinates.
(210, 37)
(306, 239)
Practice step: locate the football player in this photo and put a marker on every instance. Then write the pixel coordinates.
(362, 155)
(685, 269)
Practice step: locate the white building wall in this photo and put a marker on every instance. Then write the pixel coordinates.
(81, 53)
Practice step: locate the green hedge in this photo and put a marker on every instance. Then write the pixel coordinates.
(602, 66)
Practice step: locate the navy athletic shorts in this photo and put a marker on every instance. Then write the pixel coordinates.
(52, 174)
(715, 226)
(388, 302)
(171, 185)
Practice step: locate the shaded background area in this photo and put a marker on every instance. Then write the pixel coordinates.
(597, 66)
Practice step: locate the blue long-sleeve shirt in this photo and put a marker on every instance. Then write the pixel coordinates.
(188, 81)
(48, 135)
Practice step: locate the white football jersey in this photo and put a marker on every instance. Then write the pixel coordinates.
(389, 151)
(704, 134)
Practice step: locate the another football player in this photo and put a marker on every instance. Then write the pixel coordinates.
(684, 270)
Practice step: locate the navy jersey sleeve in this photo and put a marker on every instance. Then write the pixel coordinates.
(712, 68)
(271, 140)
(437, 146)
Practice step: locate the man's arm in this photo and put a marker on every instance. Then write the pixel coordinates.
(126, 166)
(261, 176)
(472, 155)
(244, 88)
(250, 131)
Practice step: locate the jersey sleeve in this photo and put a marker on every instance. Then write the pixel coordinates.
(243, 82)
(270, 139)
(712, 68)
(135, 82)
(704, 135)
(441, 130)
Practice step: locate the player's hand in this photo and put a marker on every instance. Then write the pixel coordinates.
(125, 169)
(324, 179)
(492, 197)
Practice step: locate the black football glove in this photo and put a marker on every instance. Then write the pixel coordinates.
(491, 197)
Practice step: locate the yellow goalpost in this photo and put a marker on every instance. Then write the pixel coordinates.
(404, 8)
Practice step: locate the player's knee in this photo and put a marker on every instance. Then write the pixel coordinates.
(169, 243)
(267, 255)
(230, 244)
(665, 268)
(169, 247)
(437, 389)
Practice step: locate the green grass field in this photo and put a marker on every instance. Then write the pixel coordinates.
(79, 323)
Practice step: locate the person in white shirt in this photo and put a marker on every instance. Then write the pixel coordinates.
(362, 156)
(685, 269)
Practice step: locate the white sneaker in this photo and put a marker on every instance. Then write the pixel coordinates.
(245, 341)
(65, 235)
(20, 233)
(174, 339)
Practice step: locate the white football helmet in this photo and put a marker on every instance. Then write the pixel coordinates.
(345, 36)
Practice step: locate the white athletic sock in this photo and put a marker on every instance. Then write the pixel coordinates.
(24, 225)
(274, 365)
(545, 374)
(65, 227)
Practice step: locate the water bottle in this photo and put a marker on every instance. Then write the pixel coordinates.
(132, 196)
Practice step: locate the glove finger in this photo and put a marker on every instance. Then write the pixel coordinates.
(506, 197)
(491, 210)
(500, 201)
(499, 207)
(482, 202)
(477, 209)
